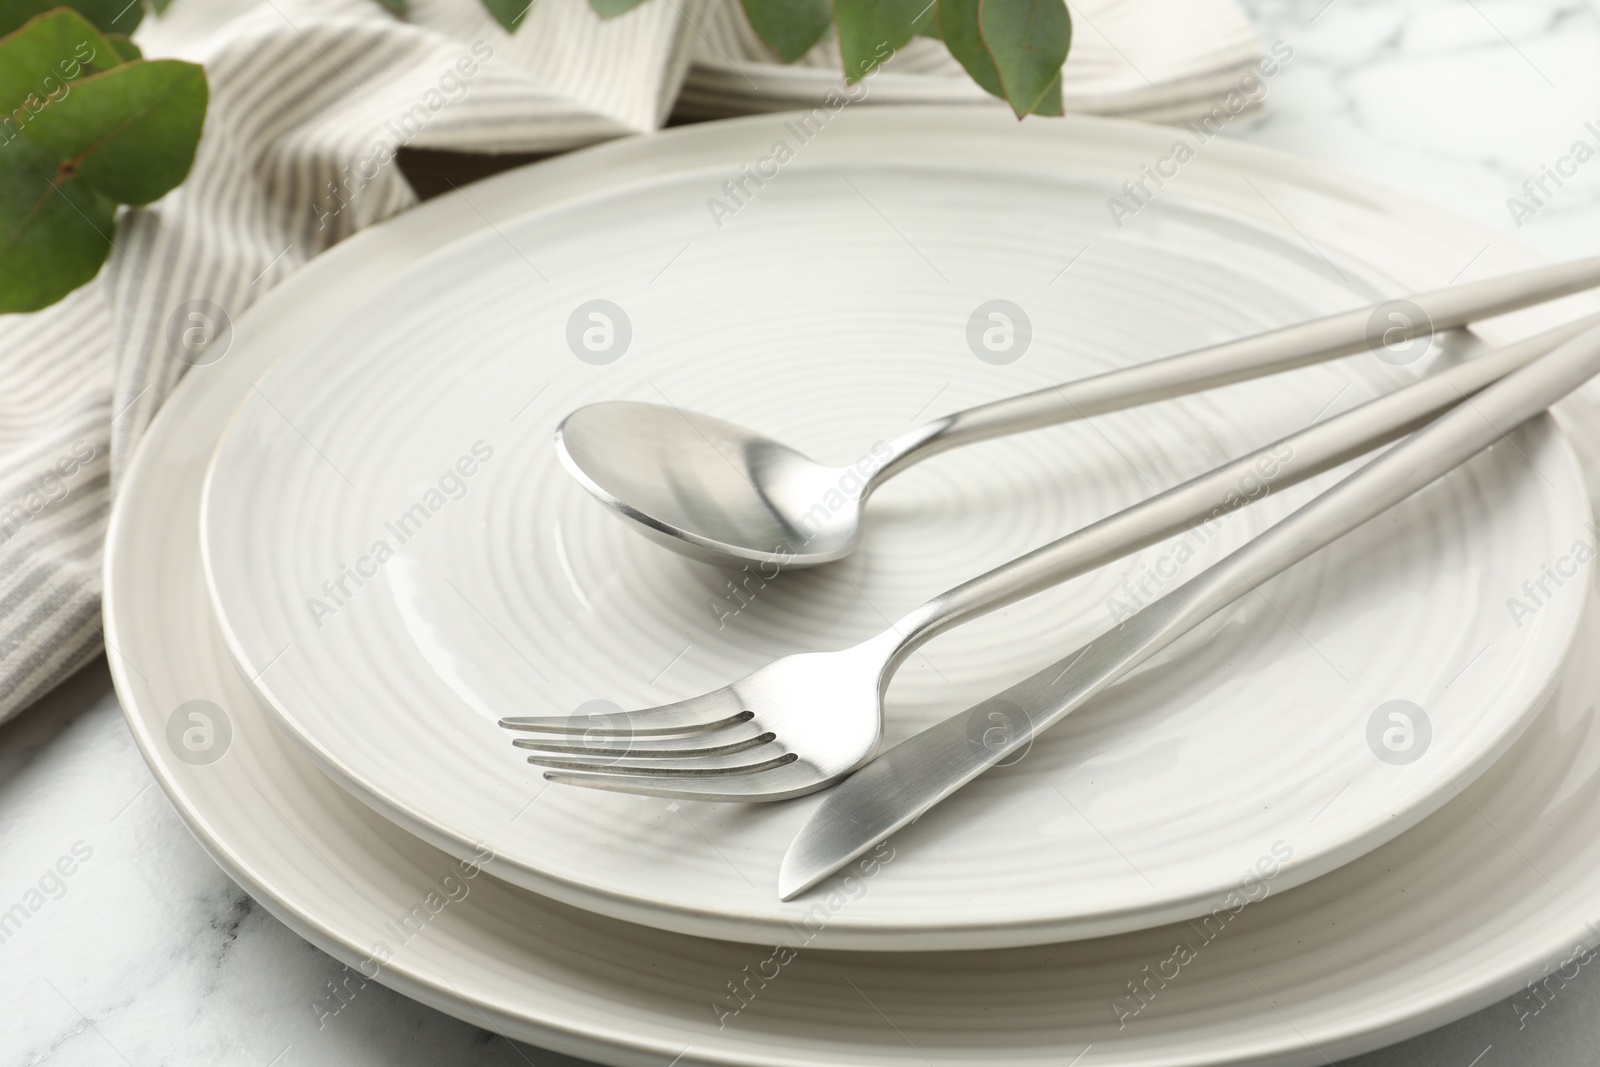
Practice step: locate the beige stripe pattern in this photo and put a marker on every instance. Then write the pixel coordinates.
(309, 102)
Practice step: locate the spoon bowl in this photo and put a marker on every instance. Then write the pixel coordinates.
(710, 489)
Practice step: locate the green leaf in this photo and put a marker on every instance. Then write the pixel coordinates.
(509, 13)
(54, 232)
(398, 7)
(870, 31)
(111, 16)
(39, 59)
(789, 27)
(610, 9)
(958, 25)
(94, 127)
(1028, 41)
(123, 45)
(129, 133)
(928, 22)
(1049, 104)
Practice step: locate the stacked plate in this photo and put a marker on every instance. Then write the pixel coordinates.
(347, 549)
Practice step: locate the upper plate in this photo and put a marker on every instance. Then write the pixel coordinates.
(399, 559)
(1452, 916)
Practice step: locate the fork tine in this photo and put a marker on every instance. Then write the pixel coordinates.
(724, 765)
(701, 744)
(715, 710)
(777, 783)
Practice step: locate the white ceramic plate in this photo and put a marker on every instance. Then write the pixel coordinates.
(1133, 58)
(1452, 916)
(399, 559)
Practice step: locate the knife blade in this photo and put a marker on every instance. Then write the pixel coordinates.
(899, 785)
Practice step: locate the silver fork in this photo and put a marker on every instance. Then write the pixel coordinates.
(806, 720)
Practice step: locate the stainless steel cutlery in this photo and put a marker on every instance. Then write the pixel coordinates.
(806, 720)
(719, 492)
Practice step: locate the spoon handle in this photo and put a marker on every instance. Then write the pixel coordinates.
(1382, 325)
(1202, 502)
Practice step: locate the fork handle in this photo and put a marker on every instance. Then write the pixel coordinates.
(1330, 337)
(1211, 496)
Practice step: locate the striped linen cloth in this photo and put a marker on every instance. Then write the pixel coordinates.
(309, 101)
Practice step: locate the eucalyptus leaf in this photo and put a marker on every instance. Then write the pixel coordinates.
(123, 135)
(1049, 104)
(510, 13)
(1028, 41)
(398, 7)
(958, 25)
(610, 9)
(110, 16)
(129, 133)
(124, 47)
(39, 59)
(54, 232)
(789, 27)
(928, 21)
(870, 31)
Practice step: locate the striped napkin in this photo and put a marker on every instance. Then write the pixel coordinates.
(310, 99)
(308, 103)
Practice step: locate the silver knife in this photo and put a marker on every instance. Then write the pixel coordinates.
(899, 785)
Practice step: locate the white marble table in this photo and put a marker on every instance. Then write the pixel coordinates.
(148, 954)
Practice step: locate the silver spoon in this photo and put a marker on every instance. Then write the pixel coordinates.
(721, 493)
